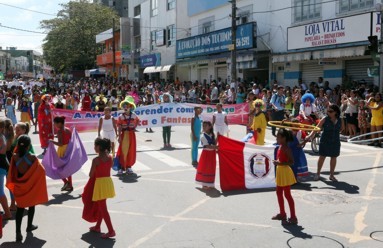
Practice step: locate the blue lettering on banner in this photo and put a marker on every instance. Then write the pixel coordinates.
(216, 42)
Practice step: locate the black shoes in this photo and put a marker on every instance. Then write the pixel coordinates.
(31, 228)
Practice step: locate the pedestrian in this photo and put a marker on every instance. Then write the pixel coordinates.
(4, 165)
(107, 128)
(278, 107)
(285, 177)
(220, 122)
(363, 123)
(10, 138)
(45, 121)
(64, 135)
(10, 112)
(299, 167)
(259, 123)
(329, 144)
(166, 130)
(26, 114)
(127, 149)
(207, 165)
(26, 180)
(36, 100)
(196, 126)
(99, 188)
(375, 103)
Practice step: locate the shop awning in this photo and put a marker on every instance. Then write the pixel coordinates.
(320, 54)
(155, 69)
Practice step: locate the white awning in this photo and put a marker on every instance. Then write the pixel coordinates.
(340, 53)
(155, 69)
(321, 54)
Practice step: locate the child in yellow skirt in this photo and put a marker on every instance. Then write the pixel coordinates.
(285, 177)
(64, 135)
(103, 186)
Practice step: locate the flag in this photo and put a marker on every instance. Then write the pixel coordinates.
(245, 166)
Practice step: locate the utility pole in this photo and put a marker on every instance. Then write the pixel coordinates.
(233, 73)
(114, 50)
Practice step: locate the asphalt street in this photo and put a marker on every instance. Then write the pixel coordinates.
(161, 206)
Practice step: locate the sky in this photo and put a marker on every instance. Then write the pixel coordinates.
(24, 19)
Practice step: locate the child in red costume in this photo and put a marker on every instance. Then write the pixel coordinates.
(45, 121)
(99, 188)
(285, 177)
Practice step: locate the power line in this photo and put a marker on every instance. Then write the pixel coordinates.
(23, 30)
(35, 11)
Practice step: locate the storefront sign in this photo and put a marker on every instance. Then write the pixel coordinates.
(330, 32)
(376, 24)
(150, 60)
(216, 42)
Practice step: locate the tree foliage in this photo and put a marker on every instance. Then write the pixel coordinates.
(71, 40)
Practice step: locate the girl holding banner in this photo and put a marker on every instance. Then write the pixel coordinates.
(127, 123)
(166, 130)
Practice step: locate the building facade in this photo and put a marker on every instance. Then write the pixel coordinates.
(153, 42)
(326, 39)
(21, 63)
(120, 6)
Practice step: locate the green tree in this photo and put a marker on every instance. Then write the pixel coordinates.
(71, 40)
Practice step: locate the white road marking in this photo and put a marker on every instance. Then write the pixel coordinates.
(166, 159)
(359, 219)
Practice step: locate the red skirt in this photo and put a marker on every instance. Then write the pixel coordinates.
(206, 168)
(90, 211)
(127, 149)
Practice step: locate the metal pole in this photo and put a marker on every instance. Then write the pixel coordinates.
(114, 49)
(381, 51)
(233, 73)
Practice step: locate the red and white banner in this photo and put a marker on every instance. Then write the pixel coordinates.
(245, 166)
(156, 115)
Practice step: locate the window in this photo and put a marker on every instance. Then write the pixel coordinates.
(171, 4)
(137, 11)
(350, 5)
(171, 35)
(152, 39)
(243, 18)
(154, 7)
(207, 27)
(112, 3)
(137, 42)
(307, 10)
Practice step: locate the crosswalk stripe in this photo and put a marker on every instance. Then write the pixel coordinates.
(168, 160)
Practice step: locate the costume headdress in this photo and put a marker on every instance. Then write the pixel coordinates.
(259, 103)
(128, 100)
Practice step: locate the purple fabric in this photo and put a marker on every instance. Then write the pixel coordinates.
(75, 157)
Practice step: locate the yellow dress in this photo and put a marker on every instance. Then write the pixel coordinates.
(24, 116)
(377, 115)
(259, 121)
(285, 176)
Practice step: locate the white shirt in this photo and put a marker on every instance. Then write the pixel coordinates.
(308, 110)
(214, 93)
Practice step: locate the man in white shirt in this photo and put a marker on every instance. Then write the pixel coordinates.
(214, 94)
